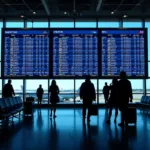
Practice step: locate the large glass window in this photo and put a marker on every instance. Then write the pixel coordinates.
(0, 88)
(148, 86)
(62, 24)
(31, 87)
(85, 24)
(18, 87)
(40, 24)
(14, 24)
(101, 85)
(108, 24)
(66, 91)
(77, 89)
(1, 25)
(29, 24)
(132, 24)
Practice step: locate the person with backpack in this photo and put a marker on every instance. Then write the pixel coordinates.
(39, 94)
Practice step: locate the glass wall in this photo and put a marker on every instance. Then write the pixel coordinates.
(66, 91)
(31, 87)
(68, 87)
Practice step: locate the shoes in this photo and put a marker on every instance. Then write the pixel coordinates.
(108, 121)
(121, 124)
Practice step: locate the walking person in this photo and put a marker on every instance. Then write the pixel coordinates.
(106, 89)
(87, 93)
(124, 96)
(113, 100)
(54, 98)
(39, 94)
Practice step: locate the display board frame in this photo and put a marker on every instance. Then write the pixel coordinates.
(145, 53)
(2, 55)
(50, 76)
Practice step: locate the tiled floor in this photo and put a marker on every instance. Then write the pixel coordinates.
(68, 132)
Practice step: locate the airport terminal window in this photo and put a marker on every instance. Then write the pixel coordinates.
(77, 89)
(14, 24)
(148, 69)
(137, 86)
(0, 88)
(132, 24)
(148, 86)
(62, 24)
(40, 24)
(85, 24)
(104, 24)
(18, 87)
(32, 85)
(101, 85)
(147, 25)
(29, 24)
(1, 25)
(66, 93)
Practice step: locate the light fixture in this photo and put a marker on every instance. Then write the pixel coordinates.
(22, 16)
(125, 16)
(112, 12)
(65, 12)
(34, 12)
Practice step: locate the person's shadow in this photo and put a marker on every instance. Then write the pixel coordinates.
(39, 119)
(121, 142)
(53, 134)
(88, 134)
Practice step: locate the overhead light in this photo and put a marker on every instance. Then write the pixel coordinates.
(125, 16)
(65, 12)
(112, 12)
(34, 12)
(22, 16)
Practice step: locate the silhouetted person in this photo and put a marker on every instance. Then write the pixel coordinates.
(113, 99)
(8, 90)
(54, 99)
(87, 93)
(39, 94)
(106, 89)
(124, 95)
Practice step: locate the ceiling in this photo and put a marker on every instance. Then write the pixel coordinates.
(76, 8)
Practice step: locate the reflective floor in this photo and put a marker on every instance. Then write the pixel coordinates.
(68, 132)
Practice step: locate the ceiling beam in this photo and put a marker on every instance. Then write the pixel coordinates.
(44, 2)
(99, 5)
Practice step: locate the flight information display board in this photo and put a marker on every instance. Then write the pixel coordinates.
(123, 50)
(75, 53)
(26, 52)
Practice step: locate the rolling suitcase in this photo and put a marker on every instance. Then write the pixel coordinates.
(131, 115)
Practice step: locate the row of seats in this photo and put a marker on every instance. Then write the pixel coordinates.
(10, 106)
(145, 100)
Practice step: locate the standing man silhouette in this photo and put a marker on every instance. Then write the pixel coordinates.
(39, 94)
(106, 89)
(8, 90)
(124, 96)
(87, 93)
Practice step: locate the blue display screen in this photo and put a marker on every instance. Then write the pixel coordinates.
(75, 52)
(26, 53)
(123, 50)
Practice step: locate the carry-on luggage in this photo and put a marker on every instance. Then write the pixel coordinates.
(30, 99)
(131, 115)
(28, 108)
(94, 110)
